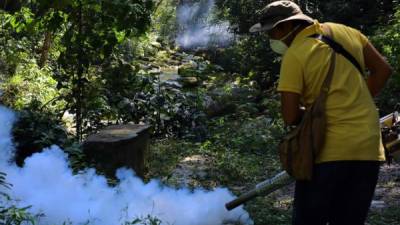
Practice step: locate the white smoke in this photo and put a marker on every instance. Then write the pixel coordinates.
(47, 183)
(196, 28)
(6, 122)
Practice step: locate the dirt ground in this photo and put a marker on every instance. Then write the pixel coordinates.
(193, 171)
(387, 193)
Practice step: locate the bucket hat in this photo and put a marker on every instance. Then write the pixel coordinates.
(278, 12)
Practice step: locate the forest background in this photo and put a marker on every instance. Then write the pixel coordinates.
(188, 68)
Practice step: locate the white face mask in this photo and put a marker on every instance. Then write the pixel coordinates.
(279, 46)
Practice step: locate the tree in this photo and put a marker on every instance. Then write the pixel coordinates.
(87, 32)
(93, 29)
(387, 40)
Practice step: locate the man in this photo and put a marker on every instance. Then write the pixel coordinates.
(346, 171)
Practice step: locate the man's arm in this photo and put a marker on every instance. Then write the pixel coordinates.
(380, 70)
(291, 111)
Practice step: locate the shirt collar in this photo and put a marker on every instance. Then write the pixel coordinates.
(314, 28)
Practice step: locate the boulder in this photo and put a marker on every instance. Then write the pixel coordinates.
(215, 108)
(189, 81)
(249, 107)
(156, 44)
(188, 69)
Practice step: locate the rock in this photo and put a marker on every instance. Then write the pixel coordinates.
(218, 108)
(396, 157)
(190, 81)
(188, 72)
(188, 69)
(169, 77)
(173, 62)
(218, 68)
(155, 71)
(241, 93)
(145, 59)
(172, 84)
(249, 107)
(118, 146)
(378, 204)
(156, 44)
(379, 193)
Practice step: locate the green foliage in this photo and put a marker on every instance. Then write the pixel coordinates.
(16, 216)
(240, 13)
(31, 85)
(77, 159)
(388, 216)
(106, 23)
(164, 155)
(36, 130)
(165, 21)
(251, 57)
(85, 33)
(95, 28)
(263, 211)
(12, 50)
(148, 220)
(365, 14)
(387, 39)
(123, 93)
(99, 70)
(9, 213)
(242, 150)
(238, 143)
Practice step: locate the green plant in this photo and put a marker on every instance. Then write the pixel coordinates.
(164, 19)
(148, 220)
(31, 85)
(9, 213)
(388, 216)
(77, 159)
(36, 130)
(387, 39)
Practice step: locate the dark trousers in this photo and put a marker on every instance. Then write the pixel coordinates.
(340, 193)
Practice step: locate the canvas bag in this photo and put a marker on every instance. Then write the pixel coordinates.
(299, 148)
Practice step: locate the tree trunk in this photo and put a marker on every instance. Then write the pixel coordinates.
(79, 84)
(118, 146)
(45, 49)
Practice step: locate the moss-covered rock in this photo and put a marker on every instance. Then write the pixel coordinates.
(190, 81)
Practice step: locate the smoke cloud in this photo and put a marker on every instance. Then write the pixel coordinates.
(196, 28)
(46, 183)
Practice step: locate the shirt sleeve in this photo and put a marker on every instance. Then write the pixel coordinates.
(361, 37)
(364, 40)
(291, 75)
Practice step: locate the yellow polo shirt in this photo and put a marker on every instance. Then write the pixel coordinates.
(353, 131)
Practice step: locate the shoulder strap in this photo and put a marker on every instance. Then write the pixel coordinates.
(338, 48)
(329, 76)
